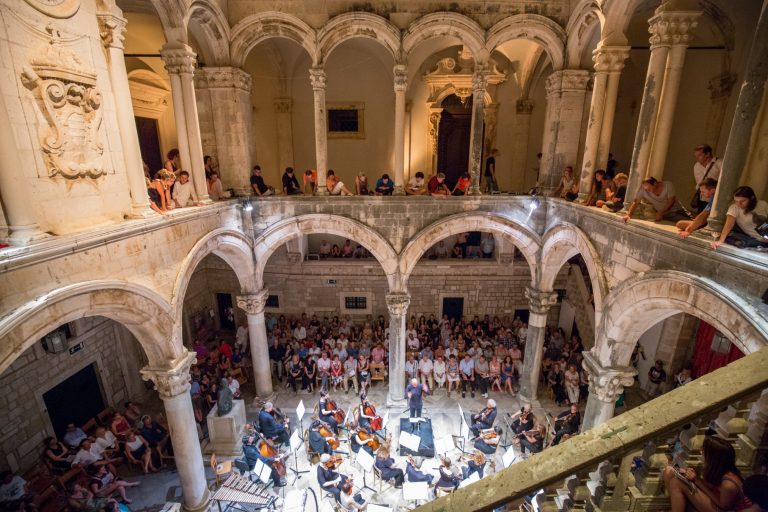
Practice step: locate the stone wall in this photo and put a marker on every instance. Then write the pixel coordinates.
(24, 422)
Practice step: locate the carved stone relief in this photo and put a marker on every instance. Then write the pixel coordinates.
(56, 8)
(69, 101)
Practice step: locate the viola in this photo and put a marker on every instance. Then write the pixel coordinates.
(332, 441)
(339, 415)
(364, 436)
(267, 449)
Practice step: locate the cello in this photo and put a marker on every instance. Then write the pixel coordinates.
(364, 436)
(331, 439)
(377, 423)
(267, 449)
(338, 414)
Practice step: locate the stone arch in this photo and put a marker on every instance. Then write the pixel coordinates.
(578, 30)
(438, 24)
(277, 234)
(451, 89)
(231, 246)
(213, 23)
(358, 24)
(257, 28)
(533, 27)
(142, 311)
(642, 301)
(562, 243)
(525, 240)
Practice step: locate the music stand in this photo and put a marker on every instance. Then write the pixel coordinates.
(384, 421)
(504, 444)
(409, 441)
(366, 462)
(463, 436)
(263, 472)
(296, 441)
(300, 410)
(443, 445)
(416, 491)
(474, 477)
(509, 457)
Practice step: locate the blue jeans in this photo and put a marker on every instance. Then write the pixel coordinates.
(741, 239)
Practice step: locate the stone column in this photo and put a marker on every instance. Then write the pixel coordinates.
(112, 29)
(15, 188)
(519, 145)
(617, 56)
(229, 89)
(479, 81)
(680, 26)
(539, 303)
(317, 77)
(172, 383)
(594, 126)
(720, 89)
(397, 303)
(180, 62)
(566, 90)
(401, 84)
(605, 387)
(284, 123)
(433, 132)
(738, 148)
(254, 305)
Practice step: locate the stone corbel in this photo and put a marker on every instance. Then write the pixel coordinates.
(282, 105)
(112, 30)
(607, 384)
(524, 107)
(397, 303)
(172, 380)
(253, 304)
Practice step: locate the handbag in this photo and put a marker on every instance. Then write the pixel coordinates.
(696, 199)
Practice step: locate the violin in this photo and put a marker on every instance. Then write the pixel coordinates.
(338, 414)
(333, 462)
(375, 444)
(332, 441)
(268, 449)
(490, 434)
(478, 458)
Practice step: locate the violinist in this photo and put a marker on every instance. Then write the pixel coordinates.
(475, 464)
(413, 471)
(532, 440)
(330, 480)
(525, 422)
(361, 438)
(367, 414)
(270, 427)
(327, 413)
(252, 454)
(485, 418)
(488, 440)
(448, 481)
(567, 423)
(386, 464)
(317, 441)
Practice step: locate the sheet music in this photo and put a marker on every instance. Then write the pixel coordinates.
(474, 477)
(415, 491)
(263, 471)
(509, 457)
(385, 420)
(365, 460)
(464, 430)
(295, 440)
(300, 410)
(410, 441)
(443, 445)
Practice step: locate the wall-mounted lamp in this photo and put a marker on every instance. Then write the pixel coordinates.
(248, 205)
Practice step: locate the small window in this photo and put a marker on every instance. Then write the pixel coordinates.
(345, 121)
(351, 302)
(273, 302)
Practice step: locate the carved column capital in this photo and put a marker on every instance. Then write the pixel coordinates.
(172, 380)
(480, 78)
(317, 78)
(283, 105)
(610, 59)
(223, 78)
(401, 77)
(398, 303)
(607, 384)
(540, 301)
(672, 27)
(567, 80)
(179, 59)
(524, 106)
(254, 303)
(112, 30)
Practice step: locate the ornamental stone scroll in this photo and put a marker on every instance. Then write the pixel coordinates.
(70, 103)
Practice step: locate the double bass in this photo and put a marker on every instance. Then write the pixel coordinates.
(269, 450)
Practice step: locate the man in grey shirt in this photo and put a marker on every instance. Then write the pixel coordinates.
(482, 373)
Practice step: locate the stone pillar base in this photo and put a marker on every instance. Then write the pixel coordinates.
(395, 403)
(225, 432)
(202, 507)
(141, 212)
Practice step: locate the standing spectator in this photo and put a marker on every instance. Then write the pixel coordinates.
(656, 378)
(490, 172)
(215, 189)
(290, 183)
(416, 185)
(572, 381)
(437, 186)
(384, 186)
(661, 196)
(707, 166)
(742, 219)
(257, 183)
(172, 161)
(707, 190)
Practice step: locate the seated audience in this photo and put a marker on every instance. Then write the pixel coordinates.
(310, 182)
(15, 495)
(745, 215)
(661, 196)
(184, 192)
(707, 190)
(416, 185)
(568, 187)
(259, 187)
(215, 188)
(104, 483)
(462, 185)
(615, 195)
(361, 184)
(384, 186)
(290, 183)
(57, 455)
(73, 436)
(137, 451)
(335, 186)
(437, 186)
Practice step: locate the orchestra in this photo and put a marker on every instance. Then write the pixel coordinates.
(386, 464)
(327, 476)
(255, 449)
(369, 420)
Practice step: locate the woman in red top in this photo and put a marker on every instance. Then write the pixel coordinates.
(719, 487)
(462, 185)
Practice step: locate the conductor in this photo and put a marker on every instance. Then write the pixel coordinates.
(414, 392)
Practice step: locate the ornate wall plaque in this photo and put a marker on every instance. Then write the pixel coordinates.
(56, 8)
(67, 96)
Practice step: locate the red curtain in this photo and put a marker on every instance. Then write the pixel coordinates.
(706, 360)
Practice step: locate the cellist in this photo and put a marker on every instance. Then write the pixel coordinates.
(252, 454)
(361, 438)
(327, 413)
(367, 414)
(316, 440)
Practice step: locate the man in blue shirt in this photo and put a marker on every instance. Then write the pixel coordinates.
(384, 186)
(467, 374)
(414, 392)
(270, 427)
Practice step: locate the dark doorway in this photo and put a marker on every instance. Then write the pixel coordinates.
(76, 400)
(149, 142)
(226, 311)
(453, 138)
(523, 314)
(453, 307)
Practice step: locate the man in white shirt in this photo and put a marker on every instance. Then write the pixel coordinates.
(438, 368)
(324, 250)
(707, 166)
(425, 369)
(234, 386)
(300, 333)
(411, 368)
(90, 453)
(241, 337)
(416, 185)
(183, 191)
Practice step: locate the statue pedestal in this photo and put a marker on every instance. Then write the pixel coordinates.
(225, 432)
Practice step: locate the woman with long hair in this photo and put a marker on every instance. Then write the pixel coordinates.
(742, 219)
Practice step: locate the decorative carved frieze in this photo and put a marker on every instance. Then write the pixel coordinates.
(398, 303)
(609, 59)
(462, 80)
(222, 78)
(434, 128)
(172, 380)
(672, 27)
(317, 78)
(254, 303)
(66, 94)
